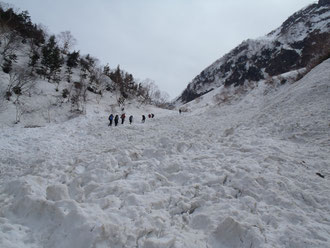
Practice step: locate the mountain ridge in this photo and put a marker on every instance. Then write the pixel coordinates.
(303, 38)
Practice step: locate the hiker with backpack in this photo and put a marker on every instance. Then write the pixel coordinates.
(122, 117)
(130, 119)
(110, 119)
(116, 120)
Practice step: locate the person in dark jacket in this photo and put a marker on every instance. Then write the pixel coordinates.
(116, 120)
(152, 115)
(110, 119)
(130, 119)
(122, 117)
(143, 118)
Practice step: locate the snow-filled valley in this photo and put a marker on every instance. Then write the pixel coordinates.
(249, 173)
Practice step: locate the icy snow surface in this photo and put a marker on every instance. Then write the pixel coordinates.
(236, 175)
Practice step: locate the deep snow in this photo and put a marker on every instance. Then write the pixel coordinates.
(242, 174)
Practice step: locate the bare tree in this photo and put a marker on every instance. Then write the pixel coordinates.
(21, 82)
(78, 96)
(153, 94)
(10, 44)
(164, 98)
(99, 82)
(66, 41)
(148, 89)
(50, 103)
(3, 94)
(20, 109)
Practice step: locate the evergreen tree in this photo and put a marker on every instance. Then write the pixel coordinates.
(22, 25)
(129, 83)
(85, 64)
(72, 62)
(51, 59)
(106, 70)
(90, 62)
(116, 76)
(34, 57)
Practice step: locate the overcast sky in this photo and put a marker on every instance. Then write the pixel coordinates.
(169, 41)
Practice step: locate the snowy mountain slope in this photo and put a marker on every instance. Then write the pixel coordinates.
(46, 105)
(302, 38)
(243, 175)
(45, 102)
(42, 80)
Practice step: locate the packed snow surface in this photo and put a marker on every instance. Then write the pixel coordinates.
(250, 173)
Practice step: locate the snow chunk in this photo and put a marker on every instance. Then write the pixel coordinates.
(57, 192)
(231, 233)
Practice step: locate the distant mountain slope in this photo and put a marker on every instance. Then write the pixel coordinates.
(302, 38)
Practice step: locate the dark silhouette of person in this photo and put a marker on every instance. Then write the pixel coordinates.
(152, 115)
(143, 118)
(130, 119)
(122, 118)
(110, 119)
(116, 120)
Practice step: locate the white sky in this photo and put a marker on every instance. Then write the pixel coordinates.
(169, 41)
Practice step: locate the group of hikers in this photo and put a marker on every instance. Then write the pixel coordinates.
(115, 119)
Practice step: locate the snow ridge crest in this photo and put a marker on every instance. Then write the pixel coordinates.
(303, 38)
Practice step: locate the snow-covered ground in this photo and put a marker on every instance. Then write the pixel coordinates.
(243, 174)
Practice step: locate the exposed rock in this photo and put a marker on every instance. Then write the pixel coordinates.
(302, 38)
(324, 2)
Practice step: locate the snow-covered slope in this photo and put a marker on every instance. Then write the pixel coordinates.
(42, 81)
(302, 38)
(253, 173)
(44, 104)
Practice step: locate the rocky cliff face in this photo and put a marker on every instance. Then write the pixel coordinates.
(324, 2)
(303, 37)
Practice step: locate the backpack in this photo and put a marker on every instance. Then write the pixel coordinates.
(111, 117)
